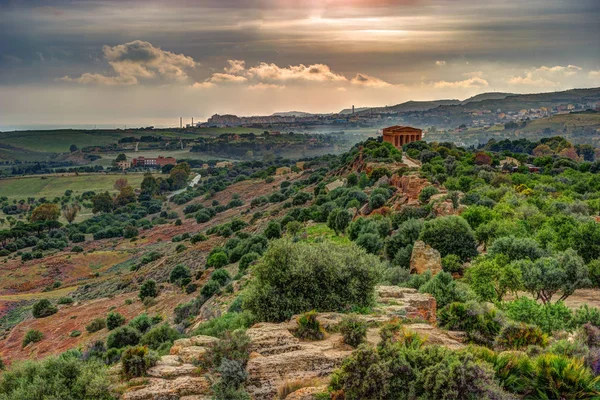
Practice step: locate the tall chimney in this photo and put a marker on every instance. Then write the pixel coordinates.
(180, 122)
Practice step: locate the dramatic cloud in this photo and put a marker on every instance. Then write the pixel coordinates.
(139, 60)
(440, 63)
(569, 70)
(545, 77)
(475, 82)
(272, 76)
(594, 74)
(531, 80)
(369, 81)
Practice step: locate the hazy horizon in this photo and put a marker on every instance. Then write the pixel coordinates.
(117, 63)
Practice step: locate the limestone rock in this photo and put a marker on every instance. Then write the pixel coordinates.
(192, 354)
(164, 389)
(169, 367)
(425, 258)
(433, 335)
(307, 393)
(265, 374)
(267, 339)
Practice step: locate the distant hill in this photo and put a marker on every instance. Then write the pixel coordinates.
(409, 106)
(292, 114)
(488, 96)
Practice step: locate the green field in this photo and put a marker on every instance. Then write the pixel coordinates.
(55, 186)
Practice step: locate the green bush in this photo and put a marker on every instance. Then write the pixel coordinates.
(122, 337)
(148, 290)
(452, 264)
(221, 276)
(141, 322)
(353, 330)
(96, 325)
(137, 360)
(233, 346)
(426, 193)
(308, 327)
(211, 288)
(549, 317)
(409, 371)
(178, 273)
(292, 278)
(273, 230)
(217, 260)
(65, 300)
(159, 335)
(247, 259)
(230, 321)
(43, 308)
(520, 336)
(75, 333)
(450, 235)
(445, 289)
(32, 336)
(114, 320)
(482, 322)
(62, 377)
(232, 375)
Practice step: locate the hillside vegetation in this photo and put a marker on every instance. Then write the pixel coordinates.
(435, 272)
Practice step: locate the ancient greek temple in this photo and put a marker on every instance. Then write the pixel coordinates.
(401, 135)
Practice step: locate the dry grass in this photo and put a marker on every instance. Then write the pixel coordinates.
(290, 386)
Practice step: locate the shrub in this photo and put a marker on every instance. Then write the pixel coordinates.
(62, 377)
(232, 375)
(178, 273)
(148, 290)
(519, 336)
(159, 335)
(450, 235)
(481, 322)
(96, 325)
(210, 288)
(273, 230)
(199, 237)
(217, 260)
(221, 276)
(445, 289)
(426, 193)
(77, 249)
(75, 333)
(452, 264)
(228, 322)
(371, 242)
(549, 317)
(308, 327)
(516, 248)
(137, 360)
(122, 337)
(185, 310)
(32, 336)
(43, 308)
(247, 259)
(233, 346)
(376, 201)
(334, 277)
(114, 320)
(141, 323)
(65, 300)
(354, 330)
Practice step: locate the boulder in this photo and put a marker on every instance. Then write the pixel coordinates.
(266, 374)
(425, 258)
(192, 354)
(307, 393)
(165, 389)
(268, 339)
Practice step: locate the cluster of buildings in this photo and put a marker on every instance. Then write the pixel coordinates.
(146, 162)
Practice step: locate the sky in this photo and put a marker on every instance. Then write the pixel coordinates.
(146, 62)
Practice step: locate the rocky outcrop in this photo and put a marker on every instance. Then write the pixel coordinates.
(409, 186)
(406, 303)
(307, 393)
(277, 356)
(175, 377)
(170, 389)
(425, 258)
